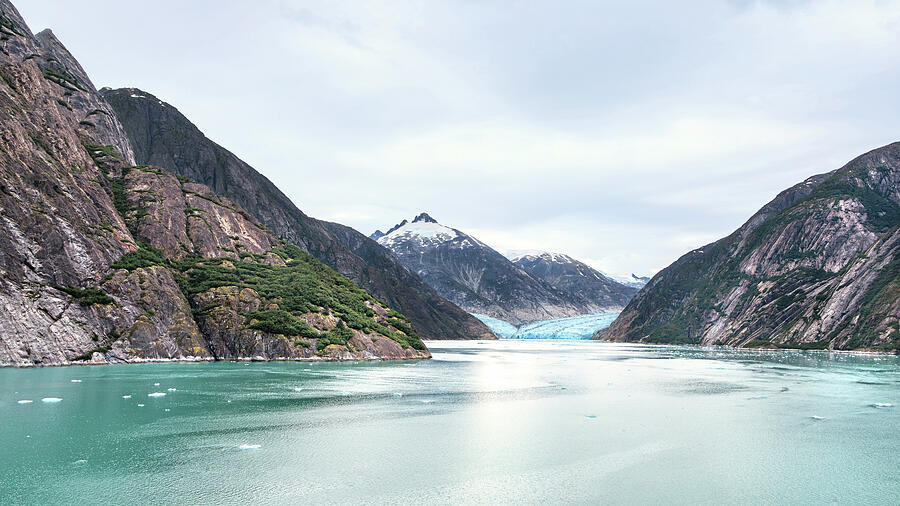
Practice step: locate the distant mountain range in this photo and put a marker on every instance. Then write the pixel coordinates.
(482, 281)
(818, 267)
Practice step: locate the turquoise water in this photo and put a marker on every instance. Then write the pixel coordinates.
(573, 327)
(530, 422)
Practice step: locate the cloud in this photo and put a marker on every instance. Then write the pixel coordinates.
(621, 133)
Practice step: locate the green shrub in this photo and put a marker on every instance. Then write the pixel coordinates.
(144, 256)
(87, 296)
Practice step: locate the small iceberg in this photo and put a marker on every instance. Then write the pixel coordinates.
(157, 394)
(75, 381)
(249, 447)
(51, 399)
(126, 397)
(26, 401)
(882, 405)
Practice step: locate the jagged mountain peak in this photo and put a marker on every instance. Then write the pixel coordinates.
(424, 217)
(424, 230)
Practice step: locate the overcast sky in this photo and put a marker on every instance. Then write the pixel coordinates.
(622, 133)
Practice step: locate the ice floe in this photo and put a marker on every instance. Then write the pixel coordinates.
(51, 399)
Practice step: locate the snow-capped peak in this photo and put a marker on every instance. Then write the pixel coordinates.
(423, 229)
(560, 258)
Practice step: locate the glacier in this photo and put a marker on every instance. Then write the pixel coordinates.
(573, 327)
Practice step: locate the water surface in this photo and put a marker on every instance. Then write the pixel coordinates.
(531, 422)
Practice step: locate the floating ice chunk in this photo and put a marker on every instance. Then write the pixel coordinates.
(126, 397)
(171, 389)
(75, 381)
(51, 399)
(157, 394)
(249, 447)
(397, 394)
(882, 405)
(590, 416)
(26, 401)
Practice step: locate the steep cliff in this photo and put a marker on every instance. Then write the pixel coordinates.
(162, 136)
(816, 268)
(475, 277)
(104, 261)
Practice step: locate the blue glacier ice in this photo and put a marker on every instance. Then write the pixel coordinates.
(573, 327)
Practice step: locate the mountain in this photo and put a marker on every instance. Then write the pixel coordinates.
(817, 267)
(576, 278)
(105, 261)
(474, 276)
(634, 281)
(161, 135)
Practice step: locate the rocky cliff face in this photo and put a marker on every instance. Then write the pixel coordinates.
(474, 276)
(577, 279)
(815, 268)
(163, 136)
(103, 261)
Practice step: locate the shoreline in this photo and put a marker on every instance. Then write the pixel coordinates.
(208, 360)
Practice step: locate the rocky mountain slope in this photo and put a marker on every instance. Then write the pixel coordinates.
(161, 135)
(474, 276)
(104, 261)
(576, 278)
(818, 267)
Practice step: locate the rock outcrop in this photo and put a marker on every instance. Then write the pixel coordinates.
(816, 268)
(162, 136)
(104, 261)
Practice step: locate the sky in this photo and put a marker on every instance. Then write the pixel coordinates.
(624, 134)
